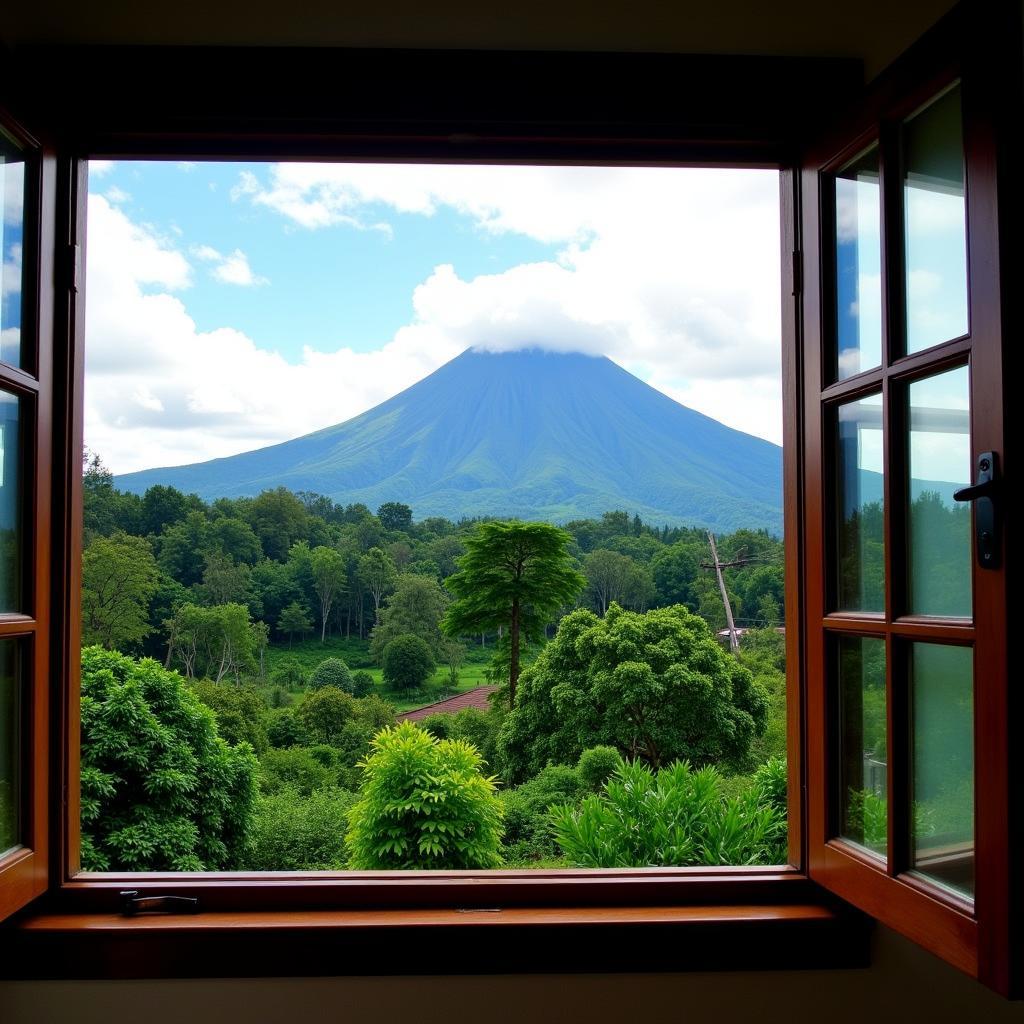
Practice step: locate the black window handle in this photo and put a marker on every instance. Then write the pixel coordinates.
(985, 493)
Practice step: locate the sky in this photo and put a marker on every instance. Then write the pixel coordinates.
(230, 306)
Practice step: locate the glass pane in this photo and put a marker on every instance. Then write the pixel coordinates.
(858, 266)
(10, 505)
(942, 788)
(940, 462)
(9, 746)
(935, 216)
(12, 191)
(863, 800)
(860, 545)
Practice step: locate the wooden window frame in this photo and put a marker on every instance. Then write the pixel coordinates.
(742, 116)
(979, 936)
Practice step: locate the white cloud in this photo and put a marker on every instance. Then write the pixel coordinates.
(97, 168)
(187, 166)
(231, 269)
(673, 274)
(117, 195)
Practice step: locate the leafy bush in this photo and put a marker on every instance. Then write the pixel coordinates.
(325, 712)
(596, 766)
(674, 817)
(772, 783)
(295, 769)
(161, 791)
(331, 672)
(288, 672)
(528, 833)
(292, 832)
(241, 712)
(285, 730)
(424, 803)
(362, 684)
(407, 662)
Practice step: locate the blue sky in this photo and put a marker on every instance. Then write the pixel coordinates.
(230, 306)
(343, 287)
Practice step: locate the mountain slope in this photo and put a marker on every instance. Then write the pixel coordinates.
(530, 434)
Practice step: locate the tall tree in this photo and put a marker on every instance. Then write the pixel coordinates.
(513, 574)
(416, 606)
(328, 569)
(377, 572)
(294, 620)
(393, 515)
(119, 577)
(609, 575)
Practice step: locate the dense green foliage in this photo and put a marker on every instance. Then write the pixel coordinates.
(676, 816)
(424, 803)
(293, 832)
(332, 672)
(119, 577)
(161, 791)
(655, 686)
(407, 662)
(258, 601)
(514, 575)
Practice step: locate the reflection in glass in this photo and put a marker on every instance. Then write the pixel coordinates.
(9, 737)
(935, 216)
(940, 462)
(942, 787)
(858, 266)
(863, 800)
(10, 506)
(12, 193)
(860, 544)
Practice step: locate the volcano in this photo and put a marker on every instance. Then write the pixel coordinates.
(530, 434)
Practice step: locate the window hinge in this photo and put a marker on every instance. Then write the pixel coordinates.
(798, 272)
(132, 904)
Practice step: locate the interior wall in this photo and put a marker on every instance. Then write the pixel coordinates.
(903, 984)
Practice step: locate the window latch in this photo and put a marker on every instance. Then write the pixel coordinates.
(133, 904)
(984, 493)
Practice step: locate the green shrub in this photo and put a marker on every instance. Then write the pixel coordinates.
(241, 712)
(324, 713)
(470, 724)
(292, 832)
(772, 783)
(528, 832)
(288, 672)
(296, 769)
(596, 766)
(424, 803)
(161, 790)
(331, 672)
(285, 730)
(362, 684)
(407, 662)
(675, 817)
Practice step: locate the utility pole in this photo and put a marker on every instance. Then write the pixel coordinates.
(718, 566)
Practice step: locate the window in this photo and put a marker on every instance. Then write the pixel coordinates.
(887, 821)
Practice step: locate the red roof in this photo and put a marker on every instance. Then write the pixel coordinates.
(476, 698)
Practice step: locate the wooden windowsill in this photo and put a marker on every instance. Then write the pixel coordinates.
(478, 940)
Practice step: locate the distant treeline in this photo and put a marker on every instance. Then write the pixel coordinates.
(302, 564)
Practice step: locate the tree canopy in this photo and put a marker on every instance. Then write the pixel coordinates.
(656, 686)
(514, 575)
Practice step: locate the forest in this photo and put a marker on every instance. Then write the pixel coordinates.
(245, 660)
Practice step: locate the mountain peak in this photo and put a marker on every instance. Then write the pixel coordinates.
(529, 433)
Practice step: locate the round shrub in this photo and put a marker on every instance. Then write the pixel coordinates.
(324, 713)
(408, 662)
(424, 803)
(596, 766)
(296, 770)
(331, 672)
(362, 684)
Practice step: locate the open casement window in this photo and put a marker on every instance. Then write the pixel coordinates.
(25, 478)
(909, 808)
(898, 709)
